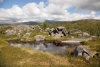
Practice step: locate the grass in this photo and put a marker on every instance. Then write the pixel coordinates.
(11, 56)
(25, 57)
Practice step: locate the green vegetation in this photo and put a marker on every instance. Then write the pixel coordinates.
(11, 56)
(90, 26)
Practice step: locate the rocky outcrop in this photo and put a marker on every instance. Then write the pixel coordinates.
(82, 51)
(36, 27)
(58, 32)
(39, 37)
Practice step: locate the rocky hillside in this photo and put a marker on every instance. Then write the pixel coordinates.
(89, 25)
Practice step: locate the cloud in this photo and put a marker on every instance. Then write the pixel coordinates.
(91, 5)
(54, 10)
(1, 1)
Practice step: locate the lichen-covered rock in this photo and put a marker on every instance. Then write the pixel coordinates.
(36, 27)
(58, 32)
(82, 51)
(86, 34)
(39, 37)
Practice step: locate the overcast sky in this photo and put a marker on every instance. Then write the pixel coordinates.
(63, 10)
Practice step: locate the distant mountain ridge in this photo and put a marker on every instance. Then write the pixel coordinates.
(41, 21)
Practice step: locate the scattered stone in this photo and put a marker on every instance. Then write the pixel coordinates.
(10, 32)
(27, 34)
(23, 39)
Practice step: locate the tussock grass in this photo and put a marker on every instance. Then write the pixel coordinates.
(11, 56)
(25, 57)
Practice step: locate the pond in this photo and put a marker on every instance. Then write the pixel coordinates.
(45, 46)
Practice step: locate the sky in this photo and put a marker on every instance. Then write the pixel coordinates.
(62, 10)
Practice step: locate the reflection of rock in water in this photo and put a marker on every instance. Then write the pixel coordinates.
(40, 47)
(53, 47)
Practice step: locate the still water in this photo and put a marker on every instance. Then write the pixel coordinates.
(45, 47)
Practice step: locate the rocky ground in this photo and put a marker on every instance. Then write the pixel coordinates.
(11, 56)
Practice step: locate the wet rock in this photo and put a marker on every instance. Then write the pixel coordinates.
(82, 51)
(58, 43)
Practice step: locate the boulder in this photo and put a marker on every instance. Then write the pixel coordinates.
(27, 34)
(86, 34)
(36, 27)
(82, 51)
(97, 54)
(47, 29)
(62, 29)
(39, 37)
(58, 32)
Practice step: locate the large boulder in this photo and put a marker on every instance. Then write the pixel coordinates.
(82, 51)
(62, 29)
(58, 32)
(39, 37)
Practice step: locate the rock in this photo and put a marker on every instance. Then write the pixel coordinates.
(58, 43)
(58, 32)
(98, 35)
(62, 29)
(79, 35)
(97, 54)
(19, 34)
(39, 37)
(74, 31)
(36, 27)
(47, 29)
(23, 39)
(10, 32)
(27, 34)
(86, 34)
(82, 51)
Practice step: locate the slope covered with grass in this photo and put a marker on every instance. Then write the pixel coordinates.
(11, 56)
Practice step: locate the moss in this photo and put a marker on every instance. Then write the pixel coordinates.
(83, 42)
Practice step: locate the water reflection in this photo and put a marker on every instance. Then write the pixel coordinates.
(44, 46)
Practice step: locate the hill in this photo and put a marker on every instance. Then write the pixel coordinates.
(91, 26)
